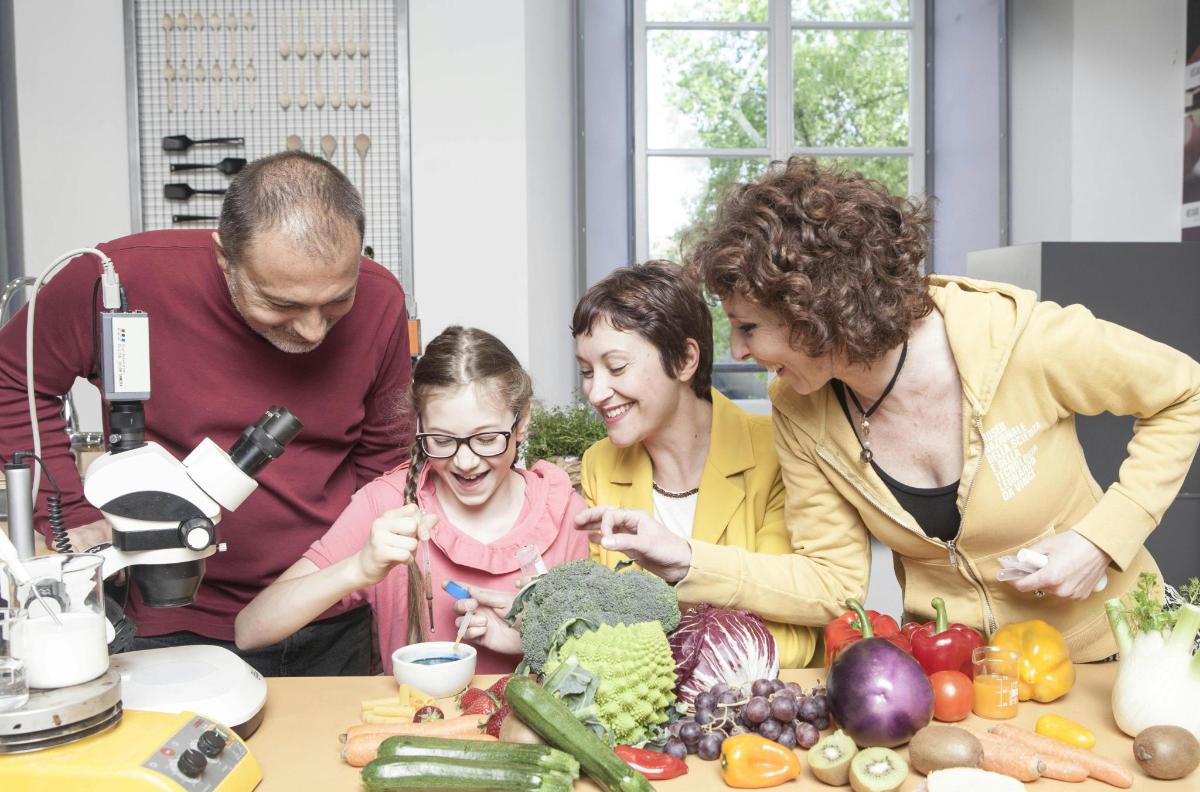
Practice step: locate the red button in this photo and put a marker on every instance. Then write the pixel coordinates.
(167, 752)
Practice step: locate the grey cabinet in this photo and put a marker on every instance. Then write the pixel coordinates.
(1150, 287)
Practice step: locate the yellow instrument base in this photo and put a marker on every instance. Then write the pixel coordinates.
(139, 753)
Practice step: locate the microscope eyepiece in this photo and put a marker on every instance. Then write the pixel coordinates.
(265, 440)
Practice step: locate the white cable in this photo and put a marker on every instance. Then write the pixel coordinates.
(111, 290)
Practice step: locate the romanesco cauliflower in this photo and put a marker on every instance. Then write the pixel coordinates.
(636, 672)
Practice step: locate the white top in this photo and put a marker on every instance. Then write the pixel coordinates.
(677, 514)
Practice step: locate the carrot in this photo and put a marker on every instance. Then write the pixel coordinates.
(1097, 766)
(1010, 759)
(466, 726)
(361, 741)
(1061, 769)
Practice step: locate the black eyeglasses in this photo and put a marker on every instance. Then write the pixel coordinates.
(484, 444)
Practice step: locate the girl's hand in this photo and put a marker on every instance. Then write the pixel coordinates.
(393, 541)
(488, 625)
(635, 533)
(1074, 568)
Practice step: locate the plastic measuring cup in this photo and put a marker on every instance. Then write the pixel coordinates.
(997, 674)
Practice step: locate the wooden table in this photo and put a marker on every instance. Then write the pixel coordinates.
(297, 744)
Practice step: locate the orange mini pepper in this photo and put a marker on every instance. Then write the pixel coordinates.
(1045, 672)
(749, 761)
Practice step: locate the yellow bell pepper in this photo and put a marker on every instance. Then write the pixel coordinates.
(1046, 672)
(749, 761)
(1065, 730)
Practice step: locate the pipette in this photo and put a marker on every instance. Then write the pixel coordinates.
(10, 557)
(423, 546)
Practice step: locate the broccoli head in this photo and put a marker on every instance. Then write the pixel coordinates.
(585, 589)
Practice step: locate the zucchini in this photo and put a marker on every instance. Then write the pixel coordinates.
(550, 718)
(441, 773)
(541, 757)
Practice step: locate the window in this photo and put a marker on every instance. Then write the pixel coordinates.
(722, 87)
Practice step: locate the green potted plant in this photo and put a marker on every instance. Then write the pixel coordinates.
(560, 435)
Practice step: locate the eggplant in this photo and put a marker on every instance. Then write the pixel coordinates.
(878, 694)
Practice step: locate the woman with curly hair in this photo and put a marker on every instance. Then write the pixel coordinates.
(934, 413)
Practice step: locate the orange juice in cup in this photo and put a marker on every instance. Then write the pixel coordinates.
(995, 682)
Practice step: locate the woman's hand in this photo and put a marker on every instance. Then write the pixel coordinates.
(486, 610)
(1073, 570)
(646, 541)
(393, 541)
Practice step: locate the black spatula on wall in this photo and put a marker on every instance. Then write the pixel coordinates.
(182, 192)
(183, 142)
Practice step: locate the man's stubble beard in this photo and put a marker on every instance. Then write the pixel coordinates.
(283, 341)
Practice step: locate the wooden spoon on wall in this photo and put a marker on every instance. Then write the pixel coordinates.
(362, 144)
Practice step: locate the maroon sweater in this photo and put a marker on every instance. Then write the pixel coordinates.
(211, 375)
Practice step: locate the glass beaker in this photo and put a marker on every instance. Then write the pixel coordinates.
(529, 558)
(75, 649)
(14, 689)
(996, 682)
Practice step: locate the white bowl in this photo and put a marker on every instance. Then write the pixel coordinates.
(440, 680)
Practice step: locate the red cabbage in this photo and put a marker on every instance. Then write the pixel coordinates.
(715, 645)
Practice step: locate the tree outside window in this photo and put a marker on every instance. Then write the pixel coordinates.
(725, 86)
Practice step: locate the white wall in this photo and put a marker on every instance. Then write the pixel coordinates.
(550, 219)
(1094, 113)
(493, 244)
(70, 64)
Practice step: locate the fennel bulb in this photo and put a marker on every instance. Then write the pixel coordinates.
(1158, 681)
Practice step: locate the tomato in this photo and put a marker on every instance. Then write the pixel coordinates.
(953, 695)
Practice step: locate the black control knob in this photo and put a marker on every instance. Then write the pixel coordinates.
(211, 743)
(191, 763)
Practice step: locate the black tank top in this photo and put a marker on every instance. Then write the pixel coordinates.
(935, 509)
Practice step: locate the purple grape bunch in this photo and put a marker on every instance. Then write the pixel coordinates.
(781, 712)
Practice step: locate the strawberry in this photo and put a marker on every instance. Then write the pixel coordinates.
(474, 701)
(428, 713)
(496, 720)
(497, 688)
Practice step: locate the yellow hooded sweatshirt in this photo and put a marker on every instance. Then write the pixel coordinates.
(1027, 368)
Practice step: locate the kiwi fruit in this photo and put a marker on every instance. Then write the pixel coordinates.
(938, 747)
(830, 758)
(877, 770)
(1166, 752)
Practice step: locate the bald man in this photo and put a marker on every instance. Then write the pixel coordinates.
(276, 307)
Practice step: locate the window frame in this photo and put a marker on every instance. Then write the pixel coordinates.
(780, 131)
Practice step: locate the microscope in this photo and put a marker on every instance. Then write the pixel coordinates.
(163, 512)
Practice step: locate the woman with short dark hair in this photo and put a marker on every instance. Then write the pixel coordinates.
(680, 459)
(936, 414)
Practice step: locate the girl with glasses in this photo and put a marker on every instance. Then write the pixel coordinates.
(471, 399)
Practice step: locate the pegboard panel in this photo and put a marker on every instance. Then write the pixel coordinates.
(328, 76)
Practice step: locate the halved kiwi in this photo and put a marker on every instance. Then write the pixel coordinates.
(877, 770)
(830, 758)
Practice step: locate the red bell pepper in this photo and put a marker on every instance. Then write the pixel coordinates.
(856, 624)
(652, 764)
(941, 646)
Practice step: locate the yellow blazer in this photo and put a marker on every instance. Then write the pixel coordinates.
(741, 500)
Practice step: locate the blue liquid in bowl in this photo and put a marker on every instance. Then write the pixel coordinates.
(435, 660)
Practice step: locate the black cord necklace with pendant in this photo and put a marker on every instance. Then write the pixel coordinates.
(864, 424)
